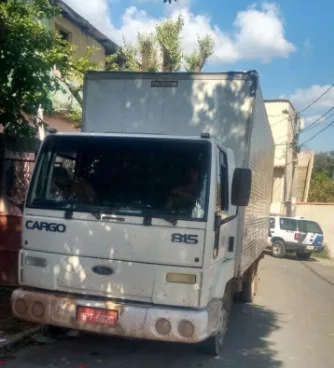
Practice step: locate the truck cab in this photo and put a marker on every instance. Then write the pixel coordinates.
(126, 226)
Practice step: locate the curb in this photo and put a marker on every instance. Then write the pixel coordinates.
(20, 336)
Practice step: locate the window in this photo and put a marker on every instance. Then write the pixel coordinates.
(224, 198)
(65, 35)
(309, 227)
(135, 176)
(288, 224)
(272, 223)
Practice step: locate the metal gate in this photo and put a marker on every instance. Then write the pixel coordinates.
(17, 167)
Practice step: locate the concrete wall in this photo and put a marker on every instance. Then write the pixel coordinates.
(79, 38)
(305, 167)
(323, 213)
(280, 115)
(281, 127)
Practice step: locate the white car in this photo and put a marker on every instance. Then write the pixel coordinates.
(294, 235)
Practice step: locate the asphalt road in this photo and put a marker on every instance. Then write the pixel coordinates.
(291, 324)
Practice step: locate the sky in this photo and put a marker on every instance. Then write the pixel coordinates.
(288, 42)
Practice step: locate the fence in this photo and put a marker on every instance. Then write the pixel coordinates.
(17, 158)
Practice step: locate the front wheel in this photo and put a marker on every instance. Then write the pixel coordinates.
(214, 344)
(304, 256)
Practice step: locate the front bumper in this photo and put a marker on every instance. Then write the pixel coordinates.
(135, 320)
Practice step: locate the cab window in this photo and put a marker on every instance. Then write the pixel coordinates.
(288, 224)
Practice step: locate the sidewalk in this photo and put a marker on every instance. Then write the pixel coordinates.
(11, 329)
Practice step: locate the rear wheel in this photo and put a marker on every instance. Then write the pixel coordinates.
(304, 256)
(278, 249)
(249, 289)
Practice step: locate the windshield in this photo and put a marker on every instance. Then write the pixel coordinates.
(134, 176)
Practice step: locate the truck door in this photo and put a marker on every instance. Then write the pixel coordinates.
(225, 241)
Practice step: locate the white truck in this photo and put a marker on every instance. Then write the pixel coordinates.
(147, 223)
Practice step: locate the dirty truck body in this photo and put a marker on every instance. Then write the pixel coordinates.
(123, 262)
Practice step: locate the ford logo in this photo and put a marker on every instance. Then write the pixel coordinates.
(102, 270)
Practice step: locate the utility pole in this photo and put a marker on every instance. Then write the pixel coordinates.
(295, 150)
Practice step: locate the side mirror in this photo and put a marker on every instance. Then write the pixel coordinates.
(241, 187)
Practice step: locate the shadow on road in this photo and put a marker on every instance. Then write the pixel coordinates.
(247, 345)
(248, 338)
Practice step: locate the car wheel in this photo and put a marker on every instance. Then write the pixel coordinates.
(278, 249)
(304, 256)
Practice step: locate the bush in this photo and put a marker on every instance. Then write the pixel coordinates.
(324, 254)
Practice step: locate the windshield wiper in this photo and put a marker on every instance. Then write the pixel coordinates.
(148, 219)
(97, 213)
(101, 214)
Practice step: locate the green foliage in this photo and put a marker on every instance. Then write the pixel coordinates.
(324, 162)
(77, 68)
(325, 254)
(321, 188)
(161, 50)
(169, 39)
(196, 61)
(75, 114)
(112, 62)
(28, 53)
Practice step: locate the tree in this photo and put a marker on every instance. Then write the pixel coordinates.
(28, 53)
(324, 162)
(161, 50)
(73, 79)
(196, 61)
(322, 186)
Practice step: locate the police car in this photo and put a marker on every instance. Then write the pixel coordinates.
(294, 235)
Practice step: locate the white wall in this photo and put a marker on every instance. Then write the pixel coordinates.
(323, 213)
(281, 118)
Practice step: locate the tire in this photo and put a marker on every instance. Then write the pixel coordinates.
(278, 249)
(213, 346)
(249, 289)
(304, 256)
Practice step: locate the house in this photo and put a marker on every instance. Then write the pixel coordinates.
(78, 31)
(285, 125)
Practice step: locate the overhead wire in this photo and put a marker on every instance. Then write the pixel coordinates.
(315, 135)
(319, 119)
(313, 124)
(309, 105)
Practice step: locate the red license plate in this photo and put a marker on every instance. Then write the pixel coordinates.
(97, 316)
